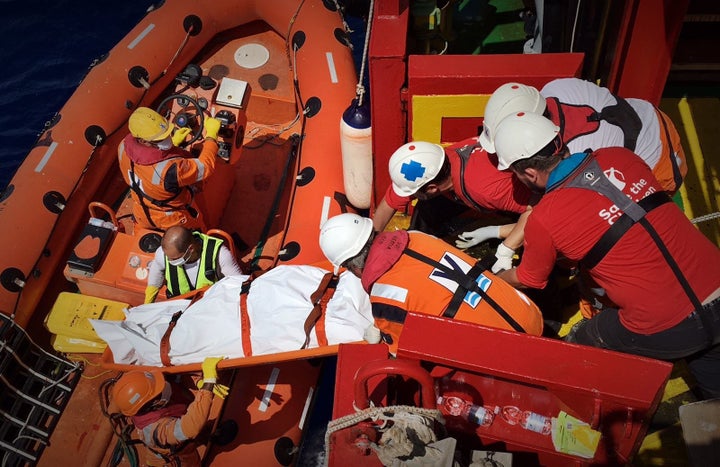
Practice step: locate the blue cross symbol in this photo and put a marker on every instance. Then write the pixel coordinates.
(412, 170)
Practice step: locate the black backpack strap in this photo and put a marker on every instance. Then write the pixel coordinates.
(465, 283)
(464, 154)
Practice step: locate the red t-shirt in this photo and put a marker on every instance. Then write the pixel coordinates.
(634, 273)
(489, 187)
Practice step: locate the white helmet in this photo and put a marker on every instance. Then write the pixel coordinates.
(508, 99)
(343, 236)
(414, 164)
(522, 135)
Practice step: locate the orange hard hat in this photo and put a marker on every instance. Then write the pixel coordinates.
(135, 389)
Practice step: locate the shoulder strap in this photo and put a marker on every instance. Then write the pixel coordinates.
(466, 282)
(464, 154)
(618, 229)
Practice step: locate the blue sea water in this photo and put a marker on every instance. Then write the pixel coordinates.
(46, 49)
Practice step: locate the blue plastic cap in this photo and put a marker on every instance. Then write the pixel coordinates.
(357, 116)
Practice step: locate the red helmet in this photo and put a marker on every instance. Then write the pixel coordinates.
(135, 389)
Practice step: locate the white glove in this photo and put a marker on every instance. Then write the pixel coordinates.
(473, 237)
(505, 257)
(372, 335)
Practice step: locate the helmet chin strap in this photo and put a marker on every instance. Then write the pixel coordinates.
(164, 396)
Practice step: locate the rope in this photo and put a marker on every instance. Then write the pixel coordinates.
(395, 441)
(360, 89)
(706, 217)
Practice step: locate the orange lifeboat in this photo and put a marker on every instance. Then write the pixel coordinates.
(294, 58)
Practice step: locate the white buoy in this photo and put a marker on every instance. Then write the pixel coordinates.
(356, 148)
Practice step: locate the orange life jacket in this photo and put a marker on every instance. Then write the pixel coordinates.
(400, 280)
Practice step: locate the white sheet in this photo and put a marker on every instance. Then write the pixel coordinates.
(278, 304)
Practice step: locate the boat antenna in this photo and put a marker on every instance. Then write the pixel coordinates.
(360, 89)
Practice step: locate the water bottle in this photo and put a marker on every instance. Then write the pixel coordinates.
(529, 420)
(101, 223)
(459, 407)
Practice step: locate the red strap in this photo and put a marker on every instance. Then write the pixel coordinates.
(316, 318)
(245, 321)
(165, 340)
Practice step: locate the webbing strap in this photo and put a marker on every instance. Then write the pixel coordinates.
(464, 154)
(466, 283)
(245, 324)
(244, 316)
(316, 318)
(618, 229)
(165, 340)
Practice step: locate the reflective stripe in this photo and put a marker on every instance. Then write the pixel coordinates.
(331, 67)
(201, 170)
(141, 36)
(46, 157)
(178, 433)
(390, 292)
(158, 170)
(121, 149)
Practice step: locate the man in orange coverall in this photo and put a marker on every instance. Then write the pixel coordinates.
(160, 174)
(416, 272)
(165, 415)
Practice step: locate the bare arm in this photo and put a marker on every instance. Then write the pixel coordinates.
(383, 214)
(516, 232)
(510, 276)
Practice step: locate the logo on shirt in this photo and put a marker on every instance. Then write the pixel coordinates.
(616, 178)
(460, 266)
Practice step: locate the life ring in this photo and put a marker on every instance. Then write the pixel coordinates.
(393, 367)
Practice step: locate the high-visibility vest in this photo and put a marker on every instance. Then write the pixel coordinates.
(176, 277)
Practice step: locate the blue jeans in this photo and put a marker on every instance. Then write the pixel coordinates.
(689, 339)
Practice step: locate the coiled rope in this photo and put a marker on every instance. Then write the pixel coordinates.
(396, 423)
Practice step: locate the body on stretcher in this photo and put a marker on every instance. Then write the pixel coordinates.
(277, 313)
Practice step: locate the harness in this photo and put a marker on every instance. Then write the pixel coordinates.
(208, 271)
(578, 119)
(162, 204)
(590, 176)
(466, 282)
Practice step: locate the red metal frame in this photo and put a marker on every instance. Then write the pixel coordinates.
(647, 39)
(615, 393)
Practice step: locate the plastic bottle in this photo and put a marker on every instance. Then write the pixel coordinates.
(101, 223)
(529, 420)
(459, 407)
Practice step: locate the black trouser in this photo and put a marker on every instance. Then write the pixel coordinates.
(688, 339)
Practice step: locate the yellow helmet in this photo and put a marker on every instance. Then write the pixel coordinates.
(135, 389)
(149, 125)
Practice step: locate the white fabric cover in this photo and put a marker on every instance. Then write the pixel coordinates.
(278, 304)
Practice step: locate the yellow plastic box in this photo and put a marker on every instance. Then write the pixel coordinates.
(71, 311)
